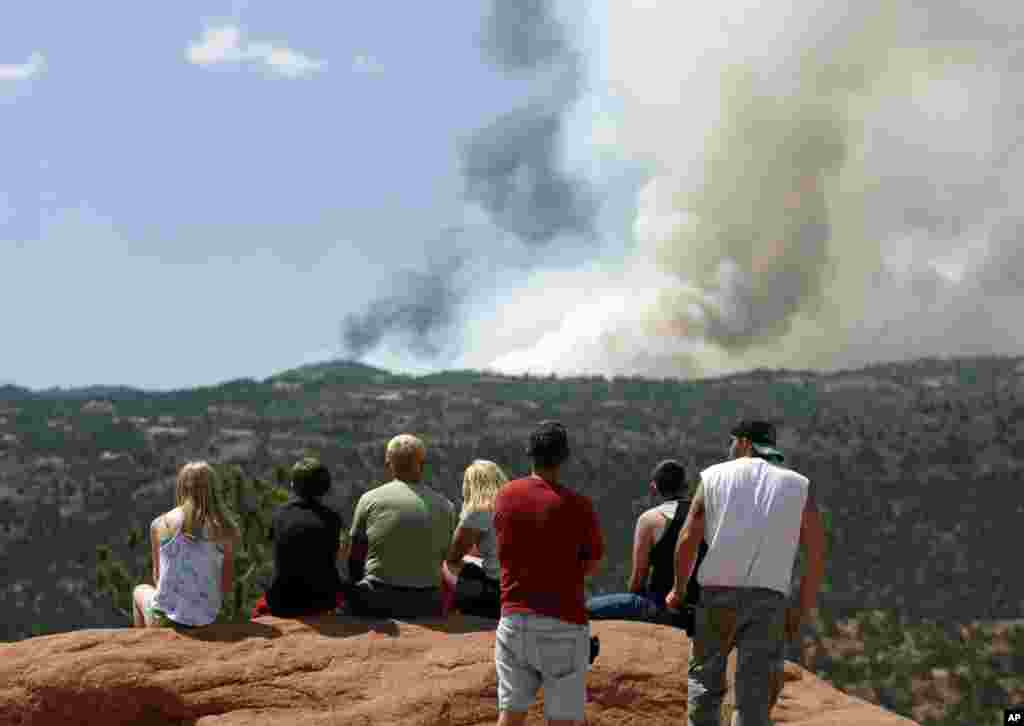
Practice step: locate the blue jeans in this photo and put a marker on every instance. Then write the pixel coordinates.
(642, 607)
(622, 606)
(753, 621)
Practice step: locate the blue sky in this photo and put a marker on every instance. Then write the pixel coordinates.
(196, 192)
(193, 192)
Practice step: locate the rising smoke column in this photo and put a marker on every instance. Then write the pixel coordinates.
(426, 303)
(876, 136)
(513, 173)
(834, 184)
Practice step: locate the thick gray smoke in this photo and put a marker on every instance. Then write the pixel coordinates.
(422, 305)
(523, 36)
(513, 166)
(834, 183)
(512, 170)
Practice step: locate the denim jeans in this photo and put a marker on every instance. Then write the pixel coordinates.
(753, 621)
(632, 606)
(622, 606)
(534, 651)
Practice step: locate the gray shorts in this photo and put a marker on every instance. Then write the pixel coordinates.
(531, 651)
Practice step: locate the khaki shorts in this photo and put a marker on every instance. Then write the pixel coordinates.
(531, 651)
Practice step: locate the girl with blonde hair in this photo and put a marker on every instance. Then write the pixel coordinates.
(193, 555)
(475, 581)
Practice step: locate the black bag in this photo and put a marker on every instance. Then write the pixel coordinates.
(477, 594)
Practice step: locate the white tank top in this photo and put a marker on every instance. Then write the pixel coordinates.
(753, 511)
(189, 591)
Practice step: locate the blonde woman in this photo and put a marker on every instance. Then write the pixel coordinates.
(476, 581)
(193, 555)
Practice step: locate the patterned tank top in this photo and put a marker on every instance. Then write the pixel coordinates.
(189, 591)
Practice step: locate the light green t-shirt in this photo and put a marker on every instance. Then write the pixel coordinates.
(408, 529)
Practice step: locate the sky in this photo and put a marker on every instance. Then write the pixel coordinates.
(200, 191)
(208, 191)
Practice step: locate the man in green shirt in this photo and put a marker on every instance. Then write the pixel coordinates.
(400, 535)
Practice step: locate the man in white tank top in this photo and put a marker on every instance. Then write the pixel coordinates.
(753, 513)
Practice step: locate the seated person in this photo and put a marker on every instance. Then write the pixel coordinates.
(400, 535)
(307, 543)
(476, 581)
(193, 555)
(654, 543)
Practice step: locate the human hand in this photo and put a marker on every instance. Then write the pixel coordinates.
(673, 601)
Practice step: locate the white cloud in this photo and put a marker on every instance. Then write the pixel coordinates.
(32, 68)
(367, 64)
(227, 44)
(218, 45)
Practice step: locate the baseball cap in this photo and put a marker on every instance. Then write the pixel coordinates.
(761, 434)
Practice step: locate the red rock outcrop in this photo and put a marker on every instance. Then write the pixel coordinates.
(352, 672)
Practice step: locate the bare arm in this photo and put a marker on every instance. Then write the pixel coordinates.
(344, 546)
(465, 539)
(227, 575)
(154, 539)
(594, 546)
(643, 538)
(689, 541)
(812, 539)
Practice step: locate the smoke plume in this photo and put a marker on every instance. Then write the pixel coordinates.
(512, 171)
(834, 184)
(421, 308)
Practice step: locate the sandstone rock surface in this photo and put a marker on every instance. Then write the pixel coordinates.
(353, 672)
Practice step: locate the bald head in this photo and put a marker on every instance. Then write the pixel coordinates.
(405, 456)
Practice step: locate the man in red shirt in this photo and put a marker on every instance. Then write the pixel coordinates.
(549, 540)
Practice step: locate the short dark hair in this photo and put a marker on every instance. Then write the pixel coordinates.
(310, 479)
(549, 444)
(669, 476)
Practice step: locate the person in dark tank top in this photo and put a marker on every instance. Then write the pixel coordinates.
(653, 569)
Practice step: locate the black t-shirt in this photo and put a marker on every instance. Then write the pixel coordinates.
(305, 536)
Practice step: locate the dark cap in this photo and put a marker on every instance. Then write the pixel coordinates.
(761, 434)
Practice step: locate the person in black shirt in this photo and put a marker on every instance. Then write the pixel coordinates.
(306, 538)
(653, 572)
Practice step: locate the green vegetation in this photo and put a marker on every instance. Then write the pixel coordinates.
(917, 465)
(251, 503)
(896, 652)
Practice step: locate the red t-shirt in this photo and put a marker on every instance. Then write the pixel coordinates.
(546, 534)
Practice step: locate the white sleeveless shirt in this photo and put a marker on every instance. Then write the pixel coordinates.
(189, 591)
(753, 511)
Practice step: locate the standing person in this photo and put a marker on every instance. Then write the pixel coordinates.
(306, 543)
(400, 536)
(193, 555)
(752, 512)
(654, 547)
(477, 587)
(549, 540)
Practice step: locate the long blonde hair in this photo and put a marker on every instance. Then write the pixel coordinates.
(196, 494)
(480, 485)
